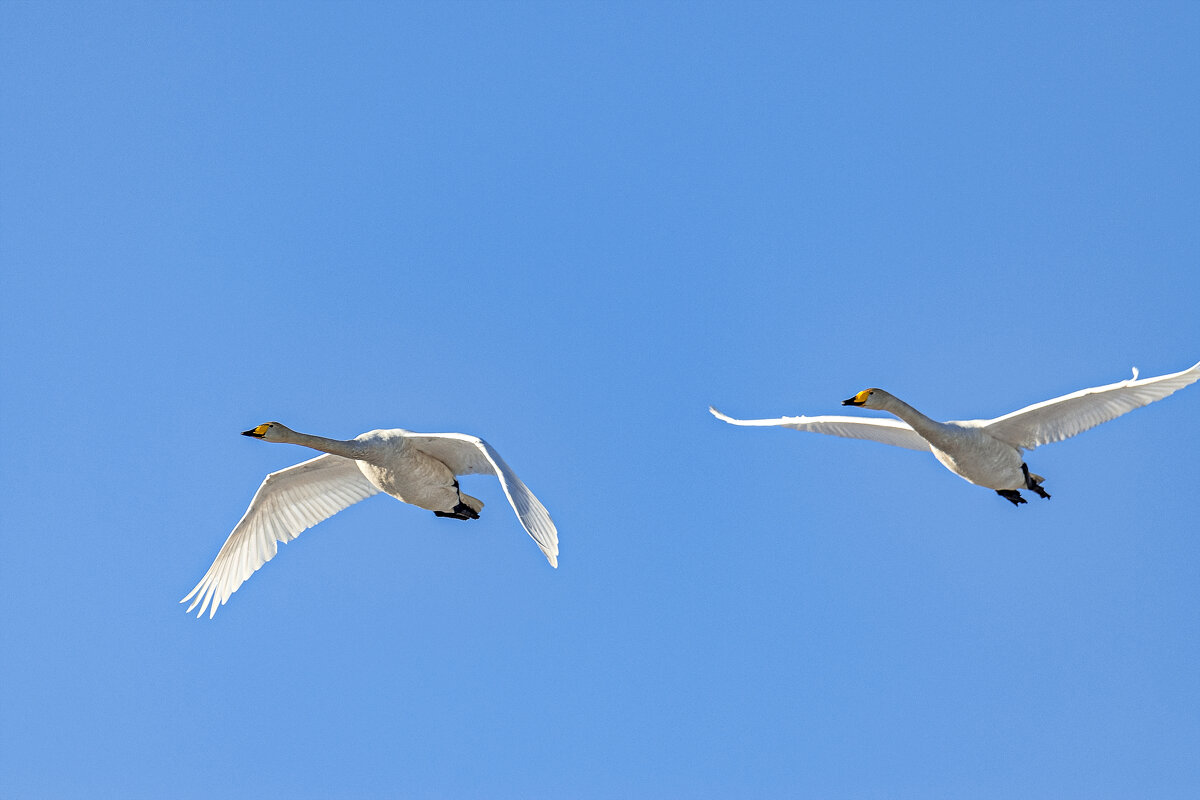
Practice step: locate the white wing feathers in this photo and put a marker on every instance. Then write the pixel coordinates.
(288, 501)
(470, 455)
(1071, 414)
(886, 431)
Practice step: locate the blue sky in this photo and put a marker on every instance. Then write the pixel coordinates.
(569, 228)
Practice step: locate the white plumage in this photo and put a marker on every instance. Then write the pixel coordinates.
(415, 468)
(987, 452)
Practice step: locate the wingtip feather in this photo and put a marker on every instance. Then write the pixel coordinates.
(723, 417)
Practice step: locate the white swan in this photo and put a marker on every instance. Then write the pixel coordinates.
(987, 452)
(414, 468)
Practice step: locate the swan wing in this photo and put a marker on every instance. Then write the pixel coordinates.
(470, 455)
(1071, 414)
(288, 502)
(886, 431)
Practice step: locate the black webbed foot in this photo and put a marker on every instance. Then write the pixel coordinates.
(1012, 496)
(1034, 482)
(460, 511)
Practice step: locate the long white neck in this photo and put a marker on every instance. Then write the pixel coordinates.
(916, 420)
(347, 448)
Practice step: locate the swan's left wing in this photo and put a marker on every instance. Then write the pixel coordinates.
(884, 431)
(470, 455)
(288, 501)
(1071, 414)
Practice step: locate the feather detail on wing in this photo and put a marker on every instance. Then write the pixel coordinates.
(470, 455)
(885, 431)
(287, 502)
(1071, 414)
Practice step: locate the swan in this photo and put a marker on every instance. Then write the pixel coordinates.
(415, 468)
(988, 452)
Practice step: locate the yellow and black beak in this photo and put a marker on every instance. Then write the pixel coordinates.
(858, 399)
(257, 431)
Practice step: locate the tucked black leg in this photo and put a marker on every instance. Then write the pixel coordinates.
(460, 511)
(1034, 482)
(1012, 496)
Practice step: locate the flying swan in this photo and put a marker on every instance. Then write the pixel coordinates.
(987, 452)
(415, 468)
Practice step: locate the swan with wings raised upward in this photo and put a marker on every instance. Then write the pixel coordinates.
(988, 452)
(416, 468)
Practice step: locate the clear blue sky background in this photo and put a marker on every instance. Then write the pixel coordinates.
(569, 228)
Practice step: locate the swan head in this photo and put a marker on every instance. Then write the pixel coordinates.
(867, 398)
(269, 431)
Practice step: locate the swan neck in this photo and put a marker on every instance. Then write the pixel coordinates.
(338, 447)
(915, 419)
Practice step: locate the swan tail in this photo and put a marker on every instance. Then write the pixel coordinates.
(473, 503)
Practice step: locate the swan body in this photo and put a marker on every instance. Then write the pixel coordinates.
(420, 469)
(988, 452)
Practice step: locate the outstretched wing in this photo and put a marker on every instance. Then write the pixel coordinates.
(886, 431)
(1066, 416)
(288, 502)
(470, 455)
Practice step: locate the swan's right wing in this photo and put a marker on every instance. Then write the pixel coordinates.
(469, 455)
(288, 502)
(886, 431)
(1071, 414)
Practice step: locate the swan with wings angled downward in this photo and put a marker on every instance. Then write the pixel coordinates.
(416, 468)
